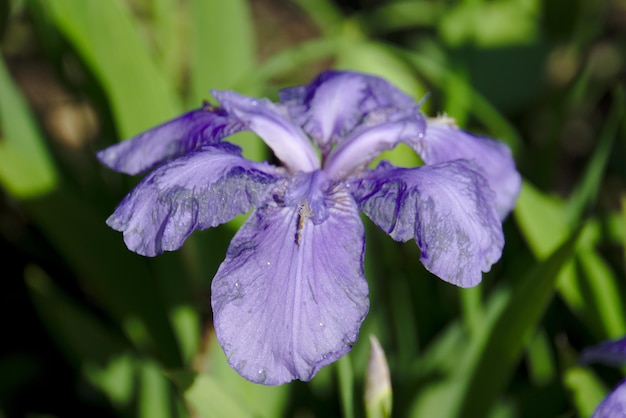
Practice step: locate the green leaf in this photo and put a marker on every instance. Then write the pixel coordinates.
(106, 360)
(222, 46)
(495, 353)
(346, 386)
(207, 397)
(585, 194)
(586, 388)
(26, 169)
(487, 364)
(106, 37)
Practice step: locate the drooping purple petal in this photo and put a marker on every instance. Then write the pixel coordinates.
(202, 189)
(612, 353)
(336, 102)
(271, 122)
(446, 207)
(444, 142)
(366, 143)
(290, 296)
(170, 140)
(614, 405)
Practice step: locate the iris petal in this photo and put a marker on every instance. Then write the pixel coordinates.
(291, 295)
(612, 353)
(444, 142)
(272, 124)
(336, 102)
(365, 144)
(613, 405)
(446, 207)
(170, 140)
(202, 189)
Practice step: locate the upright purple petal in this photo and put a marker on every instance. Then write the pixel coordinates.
(614, 405)
(170, 140)
(290, 296)
(271, 122)
(446, 207)
(202, 189)
(365, 144)
(444, 142)
(336, 102)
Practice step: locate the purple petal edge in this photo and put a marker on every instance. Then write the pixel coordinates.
(447, 208)
(172, 139)
(200, 190)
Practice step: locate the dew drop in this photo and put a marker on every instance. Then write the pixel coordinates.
(268, 263)
(261, 376)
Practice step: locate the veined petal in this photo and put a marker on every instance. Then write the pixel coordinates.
(272, 124)
(170, 140)
(202, 189)
(444, 142)
(337, 101)
(365, 144)
(613, 405)
(290, 296)
(446, 207)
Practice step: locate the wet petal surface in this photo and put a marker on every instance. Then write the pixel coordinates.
(197, 191)
(290, 296)
(447, 208)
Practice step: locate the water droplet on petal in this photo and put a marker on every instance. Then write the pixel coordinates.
(261, 376)
(268, 263)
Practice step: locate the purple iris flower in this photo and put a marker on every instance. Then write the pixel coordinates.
(612, 353)
(291, 295)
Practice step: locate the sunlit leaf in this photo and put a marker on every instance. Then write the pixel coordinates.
(106, 37)
(26, 169)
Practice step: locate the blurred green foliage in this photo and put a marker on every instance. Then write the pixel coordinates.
(95, 330)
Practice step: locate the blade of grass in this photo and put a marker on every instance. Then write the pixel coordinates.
(222, 46)
(491, 359)
(26, 169)
(585, 194)
(346, 386)
(106, 38)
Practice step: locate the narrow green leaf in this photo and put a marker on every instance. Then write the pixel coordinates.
(585, 194)
(259, 400)
(491, 359)
(222, 46)
(123, 283)
(586, 388)
(26, 169)
(346, 386)
(154, 393)
(207, 397)
(106, 37)
(485, 367)
(438, 74)
(103, 356)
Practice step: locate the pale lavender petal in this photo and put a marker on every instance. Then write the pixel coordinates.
(290, 296)
(446, 207)
(614, 405)
(612, 353)
(271, 122)
(365, 144)
(170, 140)
(200, 190)
(336, 102)
(444, 142)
